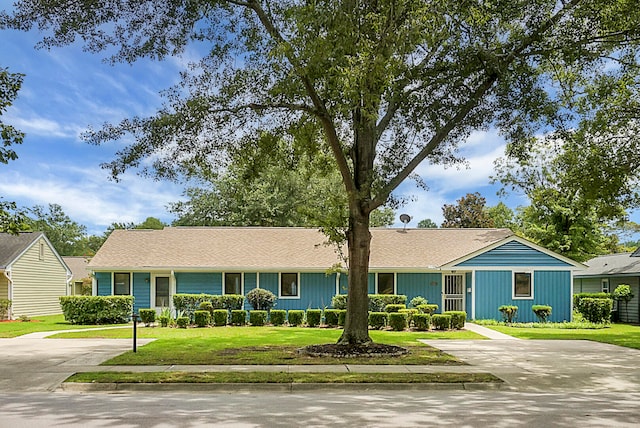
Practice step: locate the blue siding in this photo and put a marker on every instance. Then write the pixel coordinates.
(269, 281)
(316, 291)
(344, 283)
(141, 291)
(427, 285)
(553, 288)
(372, 283)
(104, 283)
(197, 282)
(514, 254)
(250, 282)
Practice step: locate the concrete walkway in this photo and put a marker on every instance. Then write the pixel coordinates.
(487, 332)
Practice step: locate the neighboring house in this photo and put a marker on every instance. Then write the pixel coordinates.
(475, 270)
(32, 274)
(605, 273)
(79, 271)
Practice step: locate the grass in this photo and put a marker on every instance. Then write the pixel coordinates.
(40, 323)
(615, 334)
(280, 377)
(265, 345)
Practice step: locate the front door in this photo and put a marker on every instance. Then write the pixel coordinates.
(453, 292)
(161, 294)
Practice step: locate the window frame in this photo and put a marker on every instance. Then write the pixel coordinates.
(113, 284)
(606, 281)
(280, 279)
(224, 282)
(154, 290)
(514, 283)
(394, 284)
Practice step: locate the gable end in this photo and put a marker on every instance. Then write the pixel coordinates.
(514, 253)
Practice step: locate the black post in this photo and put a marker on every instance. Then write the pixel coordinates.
(134, 316)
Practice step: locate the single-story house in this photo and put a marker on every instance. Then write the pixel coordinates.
(32, 274)
(606, 273)
(79, 272)
(475, 270)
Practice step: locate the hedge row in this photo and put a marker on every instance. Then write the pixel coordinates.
(97, 309)
(377, 302)
(189, 303)
(419, 320)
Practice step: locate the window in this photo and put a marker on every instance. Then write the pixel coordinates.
(121, 284)
(289, 285)
(386, 283)
(162, 291)
(522, 284)
(605, 285)
(41, 253)
(232, 283)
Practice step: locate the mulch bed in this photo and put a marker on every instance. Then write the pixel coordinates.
(353, 351)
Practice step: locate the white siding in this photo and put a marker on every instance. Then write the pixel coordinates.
(587, 285)
(38, 283)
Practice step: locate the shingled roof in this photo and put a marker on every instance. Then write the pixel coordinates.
(258, 248)
(11, 246)
(612, 264)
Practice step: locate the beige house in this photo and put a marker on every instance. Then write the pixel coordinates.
(32, 274)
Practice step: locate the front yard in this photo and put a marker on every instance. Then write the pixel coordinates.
(40, 323)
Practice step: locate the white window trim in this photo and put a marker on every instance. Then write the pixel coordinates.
(280, 296)
(113, 283)
(602, 285)
(513, 285)
(152, 291)
(395, 282)
(224, 282)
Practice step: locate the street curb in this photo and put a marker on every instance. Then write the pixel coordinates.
(272, 387)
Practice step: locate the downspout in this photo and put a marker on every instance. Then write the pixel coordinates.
(7, 274)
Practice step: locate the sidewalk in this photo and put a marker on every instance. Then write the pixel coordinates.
(487, 332)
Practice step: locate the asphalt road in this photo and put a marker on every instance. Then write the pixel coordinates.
(393, 409)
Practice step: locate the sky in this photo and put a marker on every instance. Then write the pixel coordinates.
(66, 90)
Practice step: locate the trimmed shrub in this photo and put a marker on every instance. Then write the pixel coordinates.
(378, 320)
(278, 316)
(182, 322)
(206, 306)
(295, 317)
(596, 310)
(257, 318)
(314, 316)
(97, 309)
(238, 317)
(542, 312)
(417, 301)
(422, 322)
(428, 309)
(509, 313)
(231, 302)
(410, 313)
(339, 301)
(577, 298)
(394, 307)
(147, 316)
(202, 318)
(342, 317)
(458, 318)
(164, 320)
(261, 299)
(377, 302)
(220, 317)
(189, 303)
(397, 321)
(5, 304)
(441, 321)
(331, 317)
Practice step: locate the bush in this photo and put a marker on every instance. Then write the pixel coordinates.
(182, 322)
(258, 318)
(202, 318)
(164, 320)
(5, 304)
(238, 317)
(417, 301)
(394, 307)
(189, 303)
(220, 317)
(97, 309)
(542, 312)
(278, 316)
(596, 310)
(261, 299)
(232, 302)
(331, 317)
(296, 317)
(441, 321)
(410, 313)
(422, 322)
(339, 301)
(509, 313)
(397, 321)
(378, 320)
(147, 316)
(314, 316)
(577, 298)
(428, 309)
(206, 306)
(458, 318)
(342, 317)
(377, 302)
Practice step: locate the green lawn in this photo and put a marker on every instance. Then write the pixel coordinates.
(616, 334)
(264, 345)
(39, 323)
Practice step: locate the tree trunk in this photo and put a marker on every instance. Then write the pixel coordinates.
(356, 329)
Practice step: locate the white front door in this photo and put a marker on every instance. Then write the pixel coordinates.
(453, 292)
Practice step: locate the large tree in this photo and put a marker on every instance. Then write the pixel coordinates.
(468, 211)
(67, 236)
(389, 83)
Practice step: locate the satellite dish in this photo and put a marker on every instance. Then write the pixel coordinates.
(405, 218)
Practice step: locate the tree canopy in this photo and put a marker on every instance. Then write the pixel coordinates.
(389, 84)
(469, 211)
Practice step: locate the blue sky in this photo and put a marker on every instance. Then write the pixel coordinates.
(66, 90)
